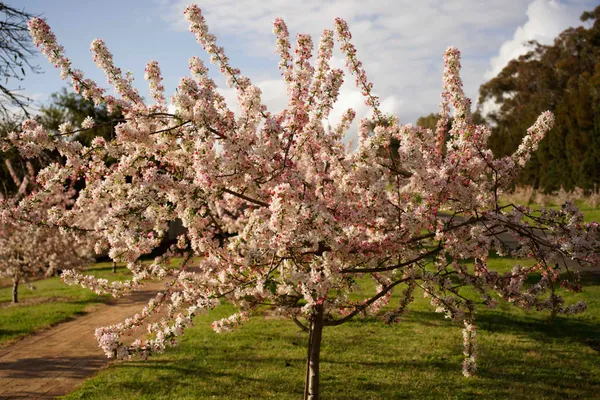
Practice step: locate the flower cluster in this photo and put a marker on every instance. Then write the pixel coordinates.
(157, 90)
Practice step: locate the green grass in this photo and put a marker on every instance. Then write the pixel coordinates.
(521, 355)
(50, 303)
(590, 214)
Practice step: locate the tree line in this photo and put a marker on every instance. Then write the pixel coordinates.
(564, 78)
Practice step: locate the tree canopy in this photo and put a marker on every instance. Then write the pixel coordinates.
(280, 214)
(71, 108)
(564, 78)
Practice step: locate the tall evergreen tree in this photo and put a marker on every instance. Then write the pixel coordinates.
(565, 79)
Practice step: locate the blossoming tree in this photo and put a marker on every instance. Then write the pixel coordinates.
(36, 250)
(281, 214)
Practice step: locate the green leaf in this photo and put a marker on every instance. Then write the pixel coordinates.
(272, 286)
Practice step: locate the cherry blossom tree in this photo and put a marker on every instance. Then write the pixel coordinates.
(36, 250)
(281, 213)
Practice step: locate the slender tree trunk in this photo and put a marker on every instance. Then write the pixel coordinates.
(15, 292)
(114, 267)
(312, 388)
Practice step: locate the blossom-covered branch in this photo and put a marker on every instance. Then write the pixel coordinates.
(279, 213)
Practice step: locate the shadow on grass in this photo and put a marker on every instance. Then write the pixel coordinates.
(195, 379)
(562, 328)
(222, 377)
(541, 330)
(440, 379)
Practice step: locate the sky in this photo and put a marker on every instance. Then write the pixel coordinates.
(400, 43)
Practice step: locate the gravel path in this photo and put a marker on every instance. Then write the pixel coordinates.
(53, 362)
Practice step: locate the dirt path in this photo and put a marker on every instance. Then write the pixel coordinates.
(53, 362)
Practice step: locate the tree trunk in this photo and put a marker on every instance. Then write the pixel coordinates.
(114, 267)
(15, 293)
(311, 388)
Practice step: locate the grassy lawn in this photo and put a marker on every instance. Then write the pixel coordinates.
(590, 214)
(521, 355)
(51, 302)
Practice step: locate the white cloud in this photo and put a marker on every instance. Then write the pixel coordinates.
(401, 43)
(274, 96)
(545, 20)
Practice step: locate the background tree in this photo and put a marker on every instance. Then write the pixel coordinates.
(71, 108)
(9, 187)
(563, 78)
(29, 251)
(280, 215)
(16, 51)
(66, 110)
(430, 121)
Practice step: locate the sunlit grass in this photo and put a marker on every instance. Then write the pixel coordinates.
(521, 355)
